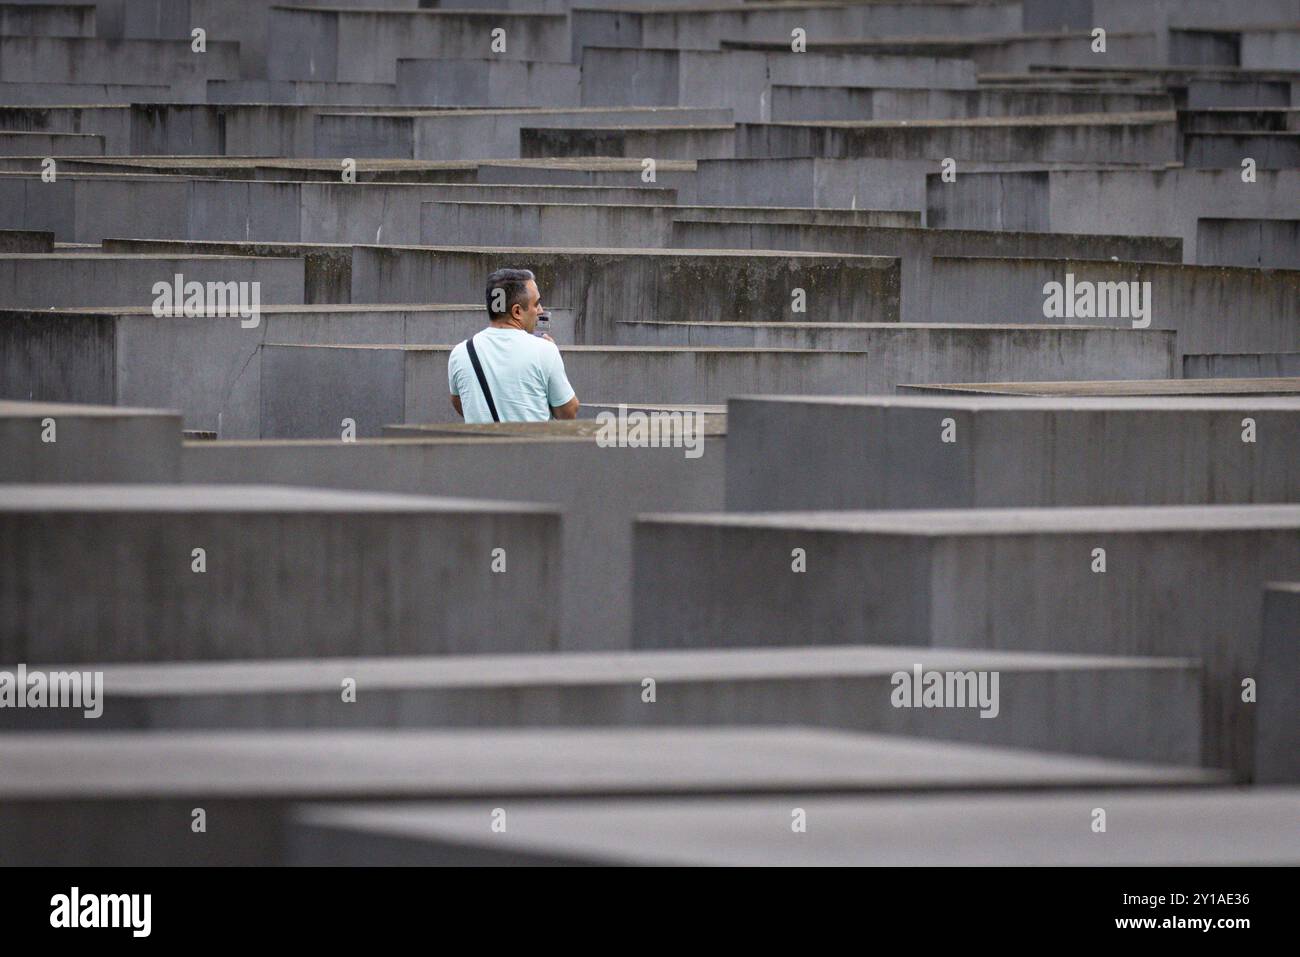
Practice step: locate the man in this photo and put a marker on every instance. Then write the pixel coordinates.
(524, 372)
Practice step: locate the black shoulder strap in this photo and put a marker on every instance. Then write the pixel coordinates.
(482, 379)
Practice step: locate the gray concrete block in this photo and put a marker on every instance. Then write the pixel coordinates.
(363, 46)
(51, 144)
(1229, 150)
(306, 391)
(707, 28)
(105, 573)
(604, 285)
(818, 453)
(23, 92)
(1128, 708)
(636, 226)
(1266, 243)
(1247, 365)
(1152, 828)
(918, 249)
(675, 176)
(671, 142)
(1076, 138)
(1212, 308)
(899, 353)
(476, 134)
(133, 790)
(1119, 387)
(26, 241)
(205, 367)
(1277, 741)
(1179, 581)
(739, 80)
(1128, 202)
(52, 280)
(48, 442)
(599, 488)
(866, 102)
(487, 82)
(96, 60)
(52, 20)
(1210, 93)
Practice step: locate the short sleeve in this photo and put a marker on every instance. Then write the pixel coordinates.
(558, 390)
(451, 372)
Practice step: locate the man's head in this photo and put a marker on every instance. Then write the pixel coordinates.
(513, 299)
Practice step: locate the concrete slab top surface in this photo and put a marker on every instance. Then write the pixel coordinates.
(1126, 387)
(554, 669)
(271, 309)
(235, 499)
(618, 252)
(1172, 827)
(1035, 403)
(126, 257)
(886, 326)
(12, 409)
(405, 762)
(1006, 521)
(585, 428)
(597, 163)
(447, 347)
(1047, 119)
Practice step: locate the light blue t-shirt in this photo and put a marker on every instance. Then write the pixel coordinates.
(524, 372)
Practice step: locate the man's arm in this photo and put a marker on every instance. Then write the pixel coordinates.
(567, 411)
(455, 404)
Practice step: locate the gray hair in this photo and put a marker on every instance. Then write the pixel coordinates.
(514, 284)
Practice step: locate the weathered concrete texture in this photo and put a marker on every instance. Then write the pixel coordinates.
(26, 241)
(363, 46)
(1277, 741)
(62, 20)
(872, 102)
(89, 207)
(708, 27)
(1212, 308)
(106, 573)
(899, 353)
(1131, 708)
(487, 82)
(670, 142)
(1267, 243)
(205, 367)
(1217, 93)
(918, 249)
(21, 93)
(476, 134)
(70, 280)
(1130, 202)
(637, 226)
(1179, 581)
(327, 269)
(1124, 387)
(604, 285)
(302, 92)
(111, 123)
(48, 442)
(740, 80)
(95, 60)
(1074, 138)
(306, 391)
(791, 453)
(992, 54)
(599, 488)
(878, 184)
(1228, 150)
(675, 175)
(94, 799)
(1247, 365)
(1151, 828)
(50, 144)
